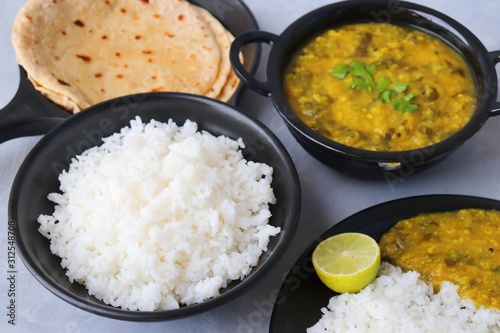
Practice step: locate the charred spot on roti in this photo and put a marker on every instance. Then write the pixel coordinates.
(85, 58)
(157, 89)
(119, 76)
(123, 10)
(168, 34)
(118, 54)
(64, 33)
(147, 52)
(156, 15)
(104, 37)
(138, 37)
(98, 75)
(180, 17)
(64, 83)
(79, 23)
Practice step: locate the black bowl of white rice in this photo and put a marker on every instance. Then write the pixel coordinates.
(154, 206)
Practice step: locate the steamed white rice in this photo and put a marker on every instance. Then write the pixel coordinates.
(400, 302)
(160, 215)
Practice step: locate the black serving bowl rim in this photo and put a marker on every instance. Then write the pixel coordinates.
(281, 49)
(35, 170)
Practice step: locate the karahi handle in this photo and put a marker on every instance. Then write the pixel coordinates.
(234, 54)
(495, 106)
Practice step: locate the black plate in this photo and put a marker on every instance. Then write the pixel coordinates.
(30, 113)
(302, 295)
(38, 176)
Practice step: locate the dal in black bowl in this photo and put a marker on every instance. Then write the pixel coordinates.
(356, 161)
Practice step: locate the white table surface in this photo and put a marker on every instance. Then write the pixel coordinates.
(328, 197)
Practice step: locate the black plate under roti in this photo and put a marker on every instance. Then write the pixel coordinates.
(30, 113)
(302, 294)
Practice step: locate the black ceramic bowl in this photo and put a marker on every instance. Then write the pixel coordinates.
(38, 176)
(358, 161)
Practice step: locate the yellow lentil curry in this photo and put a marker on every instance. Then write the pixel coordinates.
(462, 247)
(380, 87)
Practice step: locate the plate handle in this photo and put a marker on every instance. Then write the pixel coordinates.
(28, 113)
(234, 54)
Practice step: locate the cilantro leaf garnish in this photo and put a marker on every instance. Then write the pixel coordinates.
(341, 71)
(371, 69)
(361, 84)
(363, 80)
(401, 87)
(386, 96)
(383, 83)
(403, 104)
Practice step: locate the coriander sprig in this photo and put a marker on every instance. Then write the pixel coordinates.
(363, 80)
(363, 75)
(404, 104)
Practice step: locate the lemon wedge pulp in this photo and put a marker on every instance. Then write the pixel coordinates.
(347, 262)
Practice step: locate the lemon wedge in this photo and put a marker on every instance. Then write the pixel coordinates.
(347, 262)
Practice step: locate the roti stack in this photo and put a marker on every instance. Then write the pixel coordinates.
(81, 52)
